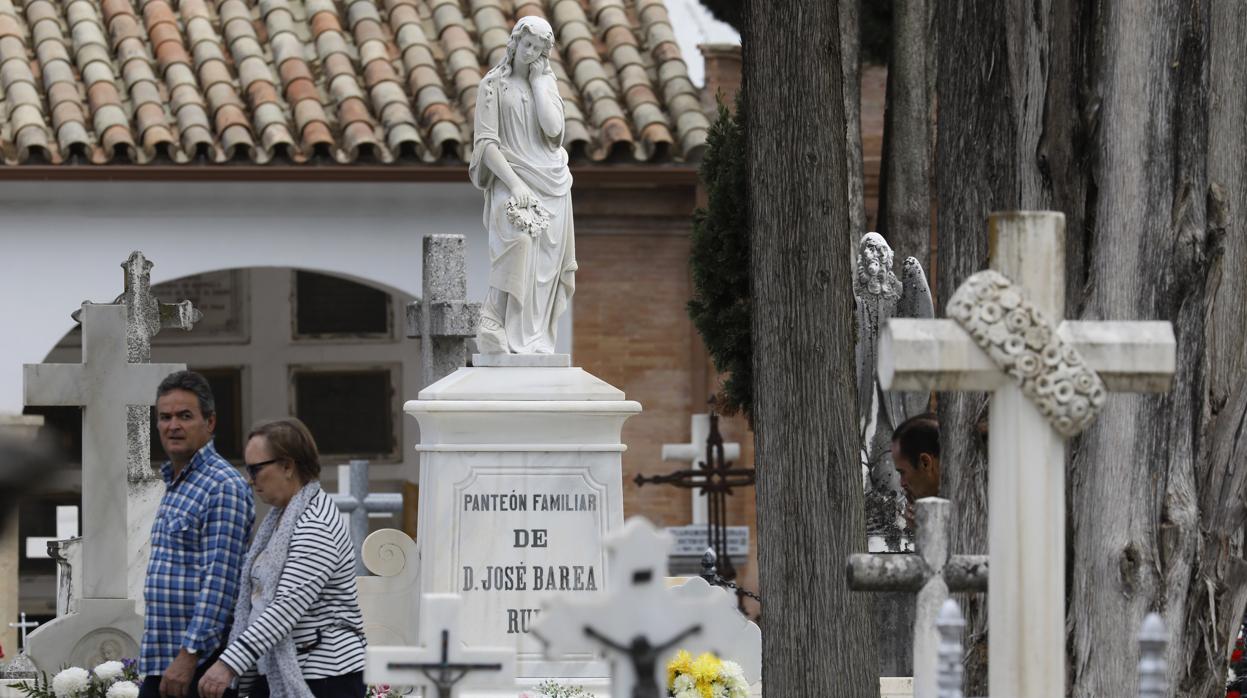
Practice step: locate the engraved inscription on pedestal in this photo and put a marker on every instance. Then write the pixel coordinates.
(519, 535)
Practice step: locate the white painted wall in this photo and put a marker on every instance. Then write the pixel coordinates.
(62, 243)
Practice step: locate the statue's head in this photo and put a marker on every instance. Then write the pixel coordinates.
(874, 267)
(529, 33)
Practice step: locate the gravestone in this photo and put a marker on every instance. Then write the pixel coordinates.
(520, 483)
(355, 501)
(641, 624)
(1048, 380)
(390, 600)
(442, 665)
(443, 320)
(105, 624)
(931, 573)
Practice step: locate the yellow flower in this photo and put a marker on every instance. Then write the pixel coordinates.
(682, 664)
(705, 671)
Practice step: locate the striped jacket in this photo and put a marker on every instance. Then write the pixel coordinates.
(316, 601)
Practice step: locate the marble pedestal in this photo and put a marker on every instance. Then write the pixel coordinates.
(520, 483)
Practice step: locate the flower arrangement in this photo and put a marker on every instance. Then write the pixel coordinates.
(707, 676)
(553, 689)
(385, 690)
(111, 679)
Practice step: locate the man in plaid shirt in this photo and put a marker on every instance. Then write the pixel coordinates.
(198, 543)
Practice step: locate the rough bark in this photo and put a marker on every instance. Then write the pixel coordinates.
(905, 186)
(1157, 506)
(1132, 120)
(818, 638)
(851, 80)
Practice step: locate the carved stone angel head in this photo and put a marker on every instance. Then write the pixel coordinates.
(874, 269)
(536, 28)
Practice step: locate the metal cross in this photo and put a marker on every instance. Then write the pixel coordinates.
(715, 478)
(23, 627)
(644, 657)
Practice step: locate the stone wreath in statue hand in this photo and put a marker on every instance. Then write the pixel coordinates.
(533, 219)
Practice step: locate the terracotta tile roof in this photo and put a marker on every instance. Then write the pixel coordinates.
(329, 81)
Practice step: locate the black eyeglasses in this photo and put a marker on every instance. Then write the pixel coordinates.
(253, 469)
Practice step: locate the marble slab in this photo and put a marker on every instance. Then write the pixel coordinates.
(522, 360)
(520, 483)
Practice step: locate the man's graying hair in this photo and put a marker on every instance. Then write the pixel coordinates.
(193, 383)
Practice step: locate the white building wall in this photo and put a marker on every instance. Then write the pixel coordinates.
(62, 243)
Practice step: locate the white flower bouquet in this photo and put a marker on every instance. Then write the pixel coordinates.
(532, 219)
(111, 679)
(707, 676)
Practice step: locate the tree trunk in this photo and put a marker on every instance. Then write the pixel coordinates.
(905, 189)
(818, 639)
(1158, 481)
(851, 81)
(1132, 120)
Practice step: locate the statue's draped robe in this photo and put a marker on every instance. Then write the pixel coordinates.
(531, 279)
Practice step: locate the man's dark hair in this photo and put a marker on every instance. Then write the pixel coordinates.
(918, 435)
(191, 382)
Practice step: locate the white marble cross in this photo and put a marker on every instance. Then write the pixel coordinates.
(638, 622)
(66, 527)
(23, 627)
(694, 452)
(441, 664)
(932, 573)
(103, 385)
(356, 504)
(1026, 516)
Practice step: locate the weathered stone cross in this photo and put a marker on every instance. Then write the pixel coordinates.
(430, 665)
(932, 573)
(1026, 604)
(354, 501)
(102, 384)
(638, 622)
(443, 320)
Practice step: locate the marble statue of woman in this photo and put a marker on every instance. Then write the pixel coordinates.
(519, 161)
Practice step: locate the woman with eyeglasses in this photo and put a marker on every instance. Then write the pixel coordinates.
(298, 631)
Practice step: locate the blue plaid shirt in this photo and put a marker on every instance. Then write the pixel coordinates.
(198, 542)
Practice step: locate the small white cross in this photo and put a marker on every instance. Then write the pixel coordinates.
(639, 622)
(694, 452)
(23, 627)
(66, 528)
(358, 505)
(441, 664)
(1026, 513)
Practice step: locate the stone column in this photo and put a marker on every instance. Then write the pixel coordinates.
(15, 427)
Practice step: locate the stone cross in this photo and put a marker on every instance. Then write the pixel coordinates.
(1026, 451)
(950, 626)
(102, 384)
(693, 452)
(638, 622)
(146, 316)
(1153, 669)
(23, 626)
(355, 502)
(443, 320)
(932, 573)
(441, 663)
(66, 527)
